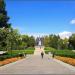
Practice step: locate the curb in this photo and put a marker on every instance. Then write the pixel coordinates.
(65, 64)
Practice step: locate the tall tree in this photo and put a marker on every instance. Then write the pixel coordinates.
(72, 42)
(31, 41)
(3, 15)
(53, 41)
(4, 25)
(46, 41)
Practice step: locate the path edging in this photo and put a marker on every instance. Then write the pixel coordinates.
(65, 64)
(12, 63)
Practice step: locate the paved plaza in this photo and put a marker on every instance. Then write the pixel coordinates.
(34, 64)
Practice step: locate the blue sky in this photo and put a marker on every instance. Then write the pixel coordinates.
(42, 17)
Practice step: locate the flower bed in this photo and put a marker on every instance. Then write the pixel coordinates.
(7, 61)
(68, 60)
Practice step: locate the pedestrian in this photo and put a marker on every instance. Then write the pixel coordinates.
(25, 54)
(53, 55)
(40, 47)
(42, 54)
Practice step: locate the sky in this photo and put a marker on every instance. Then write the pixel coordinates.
(42, 17)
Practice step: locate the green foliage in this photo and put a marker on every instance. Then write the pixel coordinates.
(3, 15)
(51, 41)
(22, 51)
(4, 26)
(12, 40)
(30, 48)
(3, 38)
(30, 41)
(16, 53)
(3, 57)
(49, 48)
(46, 41)
(65, 53)
(56, 42)
(72, 42)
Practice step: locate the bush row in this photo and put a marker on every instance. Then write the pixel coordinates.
(65, 53)
(16, 53)
(3, 57)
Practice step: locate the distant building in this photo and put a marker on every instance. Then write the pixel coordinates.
(39, 41)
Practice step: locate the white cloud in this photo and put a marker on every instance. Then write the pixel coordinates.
(36, 34)
(72, 21)
(65, 34)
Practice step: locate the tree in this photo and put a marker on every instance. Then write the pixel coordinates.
(60, 44)
(31, 41)
(72, 42)
(63, 43)
(25, 39)
(3, 39)
(4, 26)
(46, 41)
(53, 41)
(14, 39)
(3, 15)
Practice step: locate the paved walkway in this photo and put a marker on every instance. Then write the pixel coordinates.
(34, 64)
(38, 50)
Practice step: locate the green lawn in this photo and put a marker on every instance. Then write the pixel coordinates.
(30, 48)
(16, 53)
(65, 53)
(21, 51)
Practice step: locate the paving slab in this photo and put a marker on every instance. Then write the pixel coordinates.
(34, 64)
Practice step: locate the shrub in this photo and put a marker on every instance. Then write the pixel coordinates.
(30, 48)
(65, 53)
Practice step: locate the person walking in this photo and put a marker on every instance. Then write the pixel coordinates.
(53, 55)
(42, 54)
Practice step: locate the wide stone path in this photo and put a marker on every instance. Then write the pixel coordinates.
(34, 64)
(38, 50)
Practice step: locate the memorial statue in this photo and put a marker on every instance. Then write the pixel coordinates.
(39, 43)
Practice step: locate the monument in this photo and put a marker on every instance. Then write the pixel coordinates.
(39, 41)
